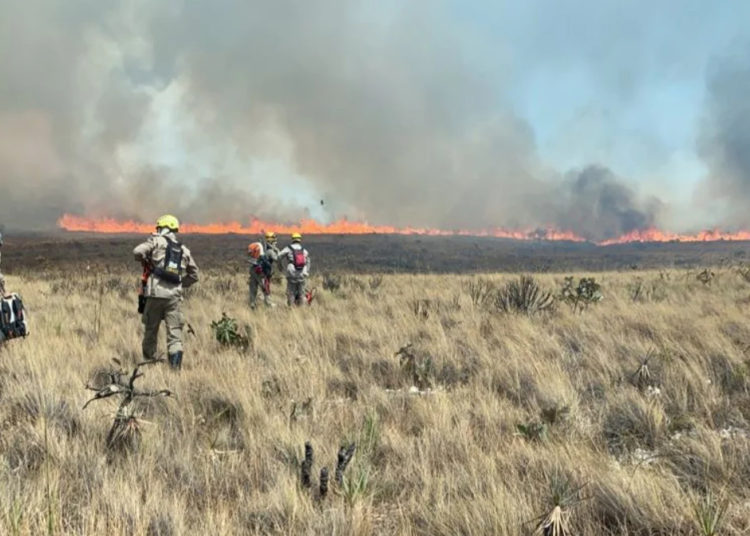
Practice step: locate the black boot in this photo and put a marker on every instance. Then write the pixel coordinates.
(175, 360)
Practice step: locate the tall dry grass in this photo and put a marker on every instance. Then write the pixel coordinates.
(517, 405)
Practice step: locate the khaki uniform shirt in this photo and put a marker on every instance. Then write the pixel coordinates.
(152, 253)
(286, 258)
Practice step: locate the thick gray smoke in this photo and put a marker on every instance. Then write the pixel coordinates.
(383, 115)
(599, 205)
(725, 141)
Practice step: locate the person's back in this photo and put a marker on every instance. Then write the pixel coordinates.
(297, 269)
(162, 281)
(170, 267)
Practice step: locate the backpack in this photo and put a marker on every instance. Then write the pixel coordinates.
(255, 250)
(298, 258)
(12, 318)
(266, 265)
(171, 268)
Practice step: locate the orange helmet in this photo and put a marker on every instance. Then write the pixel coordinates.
(255, 250)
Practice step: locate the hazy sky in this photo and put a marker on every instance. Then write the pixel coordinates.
(597, 116)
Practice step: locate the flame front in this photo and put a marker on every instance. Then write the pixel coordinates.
(71, 222)
(655, 235)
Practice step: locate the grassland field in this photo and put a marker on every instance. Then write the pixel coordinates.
(632, 415)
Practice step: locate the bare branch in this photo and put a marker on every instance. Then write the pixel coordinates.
(162, 392)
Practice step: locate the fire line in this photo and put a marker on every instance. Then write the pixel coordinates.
(70, 222)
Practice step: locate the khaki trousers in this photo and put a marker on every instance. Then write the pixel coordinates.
(257, 283)
(156, 310)
(295, 291)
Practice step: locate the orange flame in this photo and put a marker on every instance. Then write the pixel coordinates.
(71, 222)
(655, 235)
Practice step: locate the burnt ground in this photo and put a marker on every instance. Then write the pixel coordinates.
(377, 253)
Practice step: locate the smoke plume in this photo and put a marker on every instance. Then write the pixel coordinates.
(599, 205)
(725, 140)
(226, 109)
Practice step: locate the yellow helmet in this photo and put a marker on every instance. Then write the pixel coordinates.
(270, 237)
(168, 221)
(296, 237)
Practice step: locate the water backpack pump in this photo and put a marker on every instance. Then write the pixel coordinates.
(298, 258)
(12, 318)
(171, 269)
(255, 250)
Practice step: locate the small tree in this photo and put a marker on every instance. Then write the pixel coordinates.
(580, 297)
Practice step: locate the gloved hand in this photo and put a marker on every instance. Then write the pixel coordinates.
(257, 269)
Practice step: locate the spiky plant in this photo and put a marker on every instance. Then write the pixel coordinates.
(331, 282)
(709, 513)
(563, 496)
(642, 378)
(523, 295)
(375, 282)
(706, 276)
(637, 289)
(744, 273)
(356, 485)
(480, 291)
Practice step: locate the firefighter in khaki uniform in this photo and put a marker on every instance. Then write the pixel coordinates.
(297, 270)
(262, 256)
(170, 268)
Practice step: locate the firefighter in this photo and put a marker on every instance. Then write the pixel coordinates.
(260, 273)
(2, 278)
(262, 256)
(169, 267)
(297, 270)
(270, 247)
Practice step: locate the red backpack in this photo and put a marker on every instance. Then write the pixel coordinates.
(298, 258)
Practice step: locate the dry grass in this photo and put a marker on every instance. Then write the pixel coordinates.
(223, 457)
